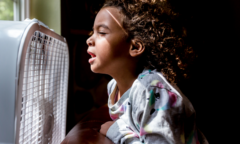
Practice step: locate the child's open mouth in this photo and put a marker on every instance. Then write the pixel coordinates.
(93, 57)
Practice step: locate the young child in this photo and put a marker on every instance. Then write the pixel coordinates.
(141, 45)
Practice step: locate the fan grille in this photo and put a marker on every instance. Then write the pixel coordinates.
(44, 92)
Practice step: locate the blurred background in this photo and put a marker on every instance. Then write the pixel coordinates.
(216, 35)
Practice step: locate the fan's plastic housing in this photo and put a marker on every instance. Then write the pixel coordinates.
(34, 66)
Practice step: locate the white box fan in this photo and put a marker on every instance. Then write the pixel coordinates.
(34, 66)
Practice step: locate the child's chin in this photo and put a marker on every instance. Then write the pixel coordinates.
(98, 70)
(94, 69)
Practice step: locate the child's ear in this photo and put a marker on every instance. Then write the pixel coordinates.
(137, 48)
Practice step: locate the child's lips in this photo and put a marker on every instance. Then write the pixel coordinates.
(91, 60)
(93, 57)
(92, 54)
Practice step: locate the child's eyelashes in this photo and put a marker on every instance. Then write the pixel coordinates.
(101, 33)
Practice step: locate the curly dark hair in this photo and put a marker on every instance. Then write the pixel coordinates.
(162, 27)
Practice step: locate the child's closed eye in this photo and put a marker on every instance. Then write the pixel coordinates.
(101, 33)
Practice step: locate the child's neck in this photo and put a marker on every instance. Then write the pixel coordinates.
(125, 79)
(123, 85)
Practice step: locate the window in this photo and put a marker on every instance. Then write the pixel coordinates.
(16, 10)
(6, 10)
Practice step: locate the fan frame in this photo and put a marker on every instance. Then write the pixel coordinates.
(26, 38)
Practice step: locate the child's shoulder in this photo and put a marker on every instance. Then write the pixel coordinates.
(153, 78)
(148, 75)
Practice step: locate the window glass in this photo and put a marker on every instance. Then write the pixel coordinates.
(6, 10)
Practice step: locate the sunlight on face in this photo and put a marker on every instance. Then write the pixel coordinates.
(117, 21)
(108, 44)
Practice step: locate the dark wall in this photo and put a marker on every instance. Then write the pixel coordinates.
(216, 33)
(87, 90)
(213, 87)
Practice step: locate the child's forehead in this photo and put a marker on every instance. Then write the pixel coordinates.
(114, 10)
(111, 15)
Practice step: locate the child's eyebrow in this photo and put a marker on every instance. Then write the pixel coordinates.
(117, 22)
(101, 25)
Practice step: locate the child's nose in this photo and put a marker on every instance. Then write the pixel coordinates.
(90, 41)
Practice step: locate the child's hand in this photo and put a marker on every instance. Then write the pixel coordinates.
(105, 127)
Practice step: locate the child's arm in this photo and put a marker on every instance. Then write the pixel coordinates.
(159, 117)
(105, 127)
(120, 133)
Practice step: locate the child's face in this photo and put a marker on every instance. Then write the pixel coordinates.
(108, 42)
